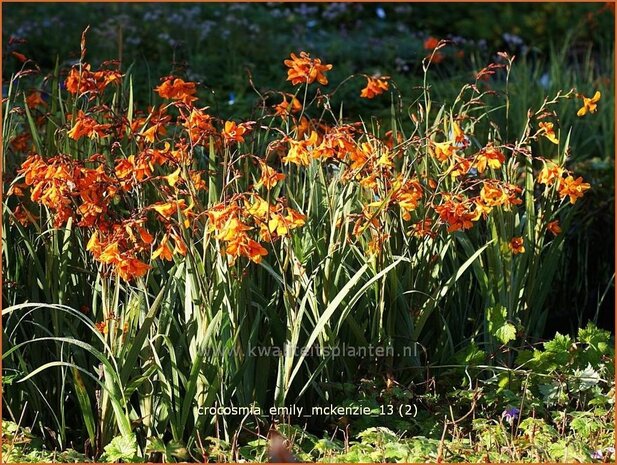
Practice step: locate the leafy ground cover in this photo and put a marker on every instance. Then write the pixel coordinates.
(401, 243)
(556, 405)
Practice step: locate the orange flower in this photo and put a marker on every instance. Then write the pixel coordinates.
(547, 130)
(168, 209)
(437, 57)
(460, 168)
(496, 194)
(199, 126)
(101, 327)
(375, 86)
(163, 250)
(299, 152)
(460, 139)
(234, 133)
(130, 170)
(177, 89)
(23, 216)
(20, 142)
(517, 245)
(234, 227)
(285, 108)
(457, 212)
(86, 125)
(179, 244)
(489, 156)
(550, 173)
(443, 150)
(423, 228)
(131, 267)
(110, 255)
(153, 125)
(574, 188)
(306, 69)
(172, 179)
(589, 104)
(242, 245)
(431, 43)
(269, 177)
(407, 195)
(35, 99)
(84, 80)
(554, 228)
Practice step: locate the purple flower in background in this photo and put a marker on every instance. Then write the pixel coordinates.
(597, 455)
(510, 414)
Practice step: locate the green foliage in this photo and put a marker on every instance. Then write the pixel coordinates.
(121, 449)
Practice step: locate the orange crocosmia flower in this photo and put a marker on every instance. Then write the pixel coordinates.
(94, 245)
(277, 224)
(177, 89)
(489, 156)
(285, 108)
(110, 255)
(375, 86)
(86, 125)
(459, 136)
(23, 216)
(306, 69)
(234, 133)
(437, 57)
(554, 228)
(573, 188)
(550, 173)
(16, 190)
(20, 142)
(35, 99)
(242, 245)
(299, 152)
(431, 43)
(84, 80)
(460, 168)
(198, 183)
(145, 236)
(131, 267)
(546, 129)
(20, 56)
(258, 207)
(457, 212)
(232, 228)
(101, 327)
(269, 177)
(423, 228)
(179, 244)
(295, 218)
(496, 194)
(517, 245)
(168, 209)
(443, 150)
(133, 169)
(172, 179)
(255, 251)
(153, 125)
(407, 195)
(589, 104)
(199, 126)
(163, 250)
